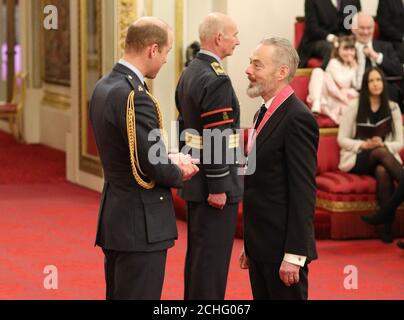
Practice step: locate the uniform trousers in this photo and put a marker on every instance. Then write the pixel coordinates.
(134, 275)
(210, 241)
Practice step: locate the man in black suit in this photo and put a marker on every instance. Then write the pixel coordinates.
(280, 197)
(324, 21)
(390, 16)
(136, 221)
(377, 53)
(209, 108)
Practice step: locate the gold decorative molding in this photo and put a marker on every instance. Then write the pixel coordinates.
(88, 163)
(149, 7)
(348, 206)
(303, 72)
(56, 100)
(149, 12)
(127, 14)
(179, 38)
(325, 132)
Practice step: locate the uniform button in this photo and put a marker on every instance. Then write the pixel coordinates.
(161, 198)
(130, 77)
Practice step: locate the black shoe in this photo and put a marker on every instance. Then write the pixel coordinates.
(400, 244)
(387, 234)
(374, 219)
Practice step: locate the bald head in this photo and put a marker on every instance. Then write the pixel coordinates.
(219, 34)
(213, 24)
(144, 32)
(363, 27)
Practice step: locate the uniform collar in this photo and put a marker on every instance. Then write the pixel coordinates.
(211, 54)
(133, 69)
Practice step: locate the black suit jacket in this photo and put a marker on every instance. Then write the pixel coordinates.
(280, 197)
(390, 16)
(206, 101)
(322, 19)
(391, 64)
(131, 218)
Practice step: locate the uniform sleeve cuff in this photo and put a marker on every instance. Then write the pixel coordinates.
(295, 259)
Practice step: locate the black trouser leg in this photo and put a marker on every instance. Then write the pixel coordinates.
(323, 49)
(210, 241)
(134, 275)
(267, 285)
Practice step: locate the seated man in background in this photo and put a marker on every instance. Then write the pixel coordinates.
(324, 21)
(377, 53)
(390, 16)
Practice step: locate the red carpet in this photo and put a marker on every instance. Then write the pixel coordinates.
(25, 164)
(52, 222)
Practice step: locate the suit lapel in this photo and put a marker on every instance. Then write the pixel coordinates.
(272, 123)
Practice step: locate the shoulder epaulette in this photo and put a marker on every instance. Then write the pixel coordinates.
(218, 69)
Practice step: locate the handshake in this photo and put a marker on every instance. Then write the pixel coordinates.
(186, 164)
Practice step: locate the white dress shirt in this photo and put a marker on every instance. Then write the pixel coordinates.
(362, 61)
(208, 53)
(133, 68)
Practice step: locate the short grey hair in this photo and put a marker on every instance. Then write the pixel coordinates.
(210, 26)
(285, 54)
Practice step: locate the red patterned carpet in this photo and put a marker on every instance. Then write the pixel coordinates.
(46, 221)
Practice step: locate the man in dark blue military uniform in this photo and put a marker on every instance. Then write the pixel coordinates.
(137, 221)
(207, 103)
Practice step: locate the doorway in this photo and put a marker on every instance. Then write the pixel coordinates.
(10, 60)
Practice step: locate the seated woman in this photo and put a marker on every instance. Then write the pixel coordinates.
(331, 91)
(375, 151)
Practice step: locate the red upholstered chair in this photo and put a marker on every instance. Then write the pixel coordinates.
(13, 111)
(346, 196)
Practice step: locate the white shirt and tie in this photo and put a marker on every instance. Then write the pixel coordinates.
(362, 61)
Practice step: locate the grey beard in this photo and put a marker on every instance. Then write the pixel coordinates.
(255, 91)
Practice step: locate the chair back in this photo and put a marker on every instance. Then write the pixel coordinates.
(19, 90)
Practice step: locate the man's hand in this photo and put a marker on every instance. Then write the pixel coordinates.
(289, 273)
(371, 54)
(243, 259)
(186, 164)
(217, 200)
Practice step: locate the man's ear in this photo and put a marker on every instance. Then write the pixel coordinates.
(154, 48)
(219, 38)
(283, 72)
